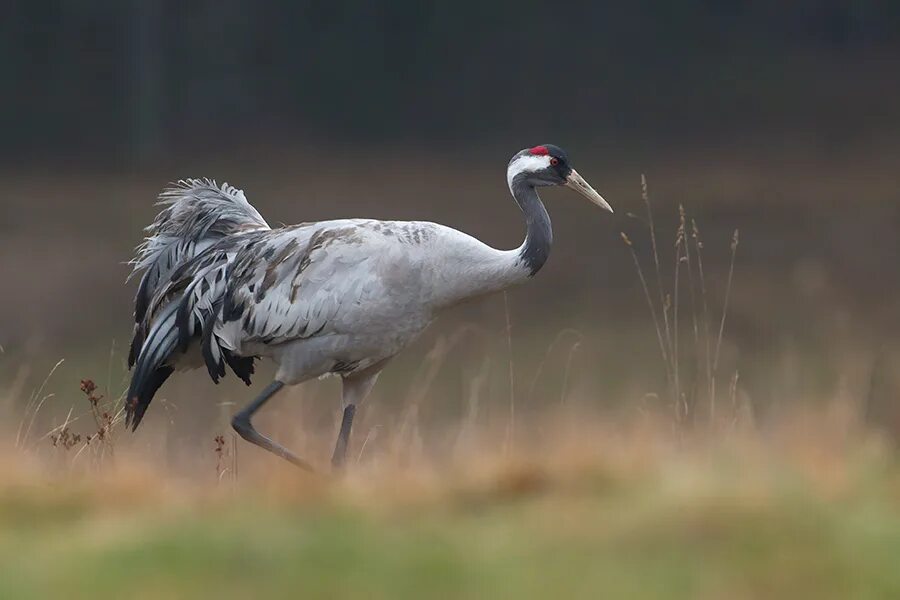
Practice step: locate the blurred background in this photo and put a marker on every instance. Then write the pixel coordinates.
(562, 439)
(779, 119)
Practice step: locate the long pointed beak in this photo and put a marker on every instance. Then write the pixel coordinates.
(577, 183)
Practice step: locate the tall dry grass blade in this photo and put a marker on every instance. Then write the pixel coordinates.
(476, 389)
(680, 403)
(54, 430)
(565, 383)
(234, 457)
(650, 304)
(22, 437)
(710, 381)
(434, 360)
(734, 245)
(733, 394)
(664, 300)
(686, 247)
(66, 422)
(373, 431)
(540, 368)
(112, 353)
(423, 380)
(81, 450)
(477, 384)
(511, 427)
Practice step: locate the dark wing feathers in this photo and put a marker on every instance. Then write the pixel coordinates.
(242, 366)
(151, 369)
(197, 214)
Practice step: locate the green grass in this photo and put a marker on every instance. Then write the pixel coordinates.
(597, 538)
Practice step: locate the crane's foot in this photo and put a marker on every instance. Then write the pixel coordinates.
(245, 429)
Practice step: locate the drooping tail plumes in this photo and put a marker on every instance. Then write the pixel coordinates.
(151, 371)
(197, 214)
(178, 298)
(186, 311)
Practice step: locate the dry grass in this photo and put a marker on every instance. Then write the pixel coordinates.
(631, 503)
(692, 373)
(593, 505)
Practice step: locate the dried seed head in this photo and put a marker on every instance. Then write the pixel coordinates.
(88, 386)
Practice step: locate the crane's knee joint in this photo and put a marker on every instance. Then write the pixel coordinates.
(241, 424)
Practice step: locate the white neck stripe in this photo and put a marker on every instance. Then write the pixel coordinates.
(527, 163)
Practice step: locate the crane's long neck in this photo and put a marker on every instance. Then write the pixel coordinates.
(535, 250)
(472, 269)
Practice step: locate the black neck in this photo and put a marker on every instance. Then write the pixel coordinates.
(539, 234)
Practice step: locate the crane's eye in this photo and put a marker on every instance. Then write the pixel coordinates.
(554, 161)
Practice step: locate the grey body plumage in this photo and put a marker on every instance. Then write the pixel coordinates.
(220, 288)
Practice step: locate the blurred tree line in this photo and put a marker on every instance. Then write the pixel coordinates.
(146, 76)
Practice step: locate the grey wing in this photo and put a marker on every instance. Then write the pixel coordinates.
(197, 214)
(310, 281)
(271, 287)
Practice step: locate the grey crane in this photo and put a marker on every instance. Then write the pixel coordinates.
(222, 288)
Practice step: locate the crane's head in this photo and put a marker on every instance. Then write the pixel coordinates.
(547, 165)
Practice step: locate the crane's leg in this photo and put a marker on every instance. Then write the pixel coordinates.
(355, 389)
(241, 423)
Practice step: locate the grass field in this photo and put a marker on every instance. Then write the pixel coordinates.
(811, 509)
